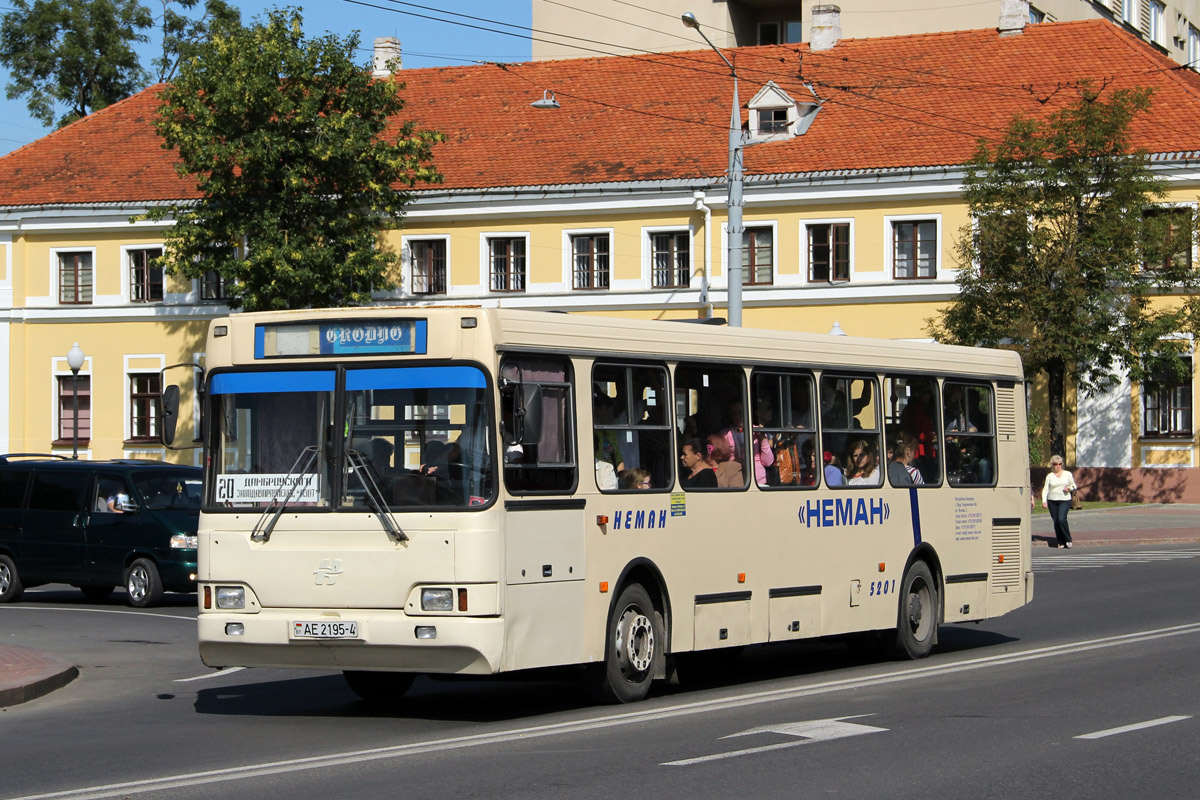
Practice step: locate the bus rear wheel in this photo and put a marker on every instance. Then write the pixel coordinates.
(916, 628)
(379, 687)
(635, 639)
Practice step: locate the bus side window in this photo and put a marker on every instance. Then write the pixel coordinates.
(783, 414)
(710, 401)
(549, 465)
(910, 416)
(970, 438)
(631, 427)
(850, 428)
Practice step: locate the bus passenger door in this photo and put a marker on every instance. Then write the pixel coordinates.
(543, 521)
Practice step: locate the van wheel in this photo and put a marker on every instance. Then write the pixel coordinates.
(143, 584)
(916, 628)
(635, 637)
(11, 587)
(379, 687)
(96, 593)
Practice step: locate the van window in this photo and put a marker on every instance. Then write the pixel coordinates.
(12, 487)
(59, 491)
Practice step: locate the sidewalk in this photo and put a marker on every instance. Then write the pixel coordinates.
(26, 674)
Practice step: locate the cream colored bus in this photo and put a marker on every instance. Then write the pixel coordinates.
(397, 491)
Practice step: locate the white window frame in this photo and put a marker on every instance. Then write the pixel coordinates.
(889, 247)
(805, 271)
(568, 258)
(1157, 31)
(129, 371)
(1193, 47)
(648, 234)
(1129, 9)
(485, 263)
(406, 263)
(773, 224)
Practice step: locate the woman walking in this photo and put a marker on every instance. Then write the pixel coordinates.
(1056, 496)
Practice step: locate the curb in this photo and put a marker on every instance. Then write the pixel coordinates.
(44, 674)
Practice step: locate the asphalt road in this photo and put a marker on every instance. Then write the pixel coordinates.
(1091, 692)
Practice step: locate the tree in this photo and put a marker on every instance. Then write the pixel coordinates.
(1069, 260)
(78, 53)
(286, 140)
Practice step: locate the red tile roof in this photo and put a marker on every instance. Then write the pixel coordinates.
(892, 102)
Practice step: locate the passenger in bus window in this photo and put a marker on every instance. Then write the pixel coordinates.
(899, 469)
(720, 458)
(735, 436)
(696, 473)
(833, 470)
(917, 417)
(607, 447)
(634, 479)
(606, 476)
(956, 411)
(864, 464)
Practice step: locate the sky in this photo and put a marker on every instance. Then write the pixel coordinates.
(428, 38)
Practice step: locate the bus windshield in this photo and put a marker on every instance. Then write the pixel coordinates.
(404, 437)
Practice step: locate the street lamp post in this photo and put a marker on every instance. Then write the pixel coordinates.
(75, 362)
(734, 178)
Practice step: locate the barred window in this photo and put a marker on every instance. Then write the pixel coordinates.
(75, 278)
(1167, 406)
(507, 257)
(671, 259)
(589, 258)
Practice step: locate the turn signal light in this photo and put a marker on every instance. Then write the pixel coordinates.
(603, 587)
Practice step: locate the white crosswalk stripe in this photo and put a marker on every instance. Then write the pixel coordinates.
(1077, 558)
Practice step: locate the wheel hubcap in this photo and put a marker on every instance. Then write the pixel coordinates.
(635, 641)
(917, 600)
(5, 579)
(137, 584)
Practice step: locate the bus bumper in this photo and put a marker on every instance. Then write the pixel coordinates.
(387, 640)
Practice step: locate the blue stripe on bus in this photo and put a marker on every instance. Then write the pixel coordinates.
(916, 515)
(306, 381)
(415, 378)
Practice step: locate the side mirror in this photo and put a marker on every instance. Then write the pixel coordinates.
(170, 414)
(125, 504)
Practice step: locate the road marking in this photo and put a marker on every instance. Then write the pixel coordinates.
(1135, 727)
(1064, 561)
(648, 715)
(99, 611)
(816, 730)
(207, 675)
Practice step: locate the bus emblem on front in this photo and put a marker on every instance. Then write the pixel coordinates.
(328, 572)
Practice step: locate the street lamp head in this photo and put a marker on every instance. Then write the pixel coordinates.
(689, 19)
(75, 358)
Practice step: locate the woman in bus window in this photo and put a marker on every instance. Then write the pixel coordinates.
(696, 473)
(720, 458)
(863, 469)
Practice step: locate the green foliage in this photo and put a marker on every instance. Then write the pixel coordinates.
(1039, 439)
(1067, 253)
(80, 53)
(292, 146)
(77, 53)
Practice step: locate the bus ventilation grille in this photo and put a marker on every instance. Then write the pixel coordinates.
(1006, 413)
(1006, 558)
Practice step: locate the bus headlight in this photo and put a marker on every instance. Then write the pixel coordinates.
(181, 541)
(437, 600)
(231, 597)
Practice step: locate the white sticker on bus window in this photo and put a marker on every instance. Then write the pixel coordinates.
(705, 381)
(629, 437)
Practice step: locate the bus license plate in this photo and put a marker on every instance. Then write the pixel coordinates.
(329, 629)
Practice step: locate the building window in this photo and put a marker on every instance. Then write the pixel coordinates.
(1129, 12)
(507, 258)
(758, 256)
(66, 409)
(772, 121)
(1158, 22)
(75, 278)
(1167, 238)
(589, 260)
(768, 33)
(1036, 16)
(914, 249)
(212, 286)
(671, 257)
(428, 267)
(1167, 406)
(829, 252)
(145, 276)
(1193, 48)
(144, 394)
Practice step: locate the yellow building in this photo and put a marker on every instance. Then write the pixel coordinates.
(610, 200)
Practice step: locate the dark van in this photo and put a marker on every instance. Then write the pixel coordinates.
(97, 525)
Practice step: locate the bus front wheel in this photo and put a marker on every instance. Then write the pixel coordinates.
(635, 637)
(916, 627)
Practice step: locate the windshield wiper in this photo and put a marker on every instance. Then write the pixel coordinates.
(276, 507)
(359, 465)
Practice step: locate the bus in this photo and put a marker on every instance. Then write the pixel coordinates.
(391, 492)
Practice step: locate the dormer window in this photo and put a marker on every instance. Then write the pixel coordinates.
(776, 116)
(772, 121)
